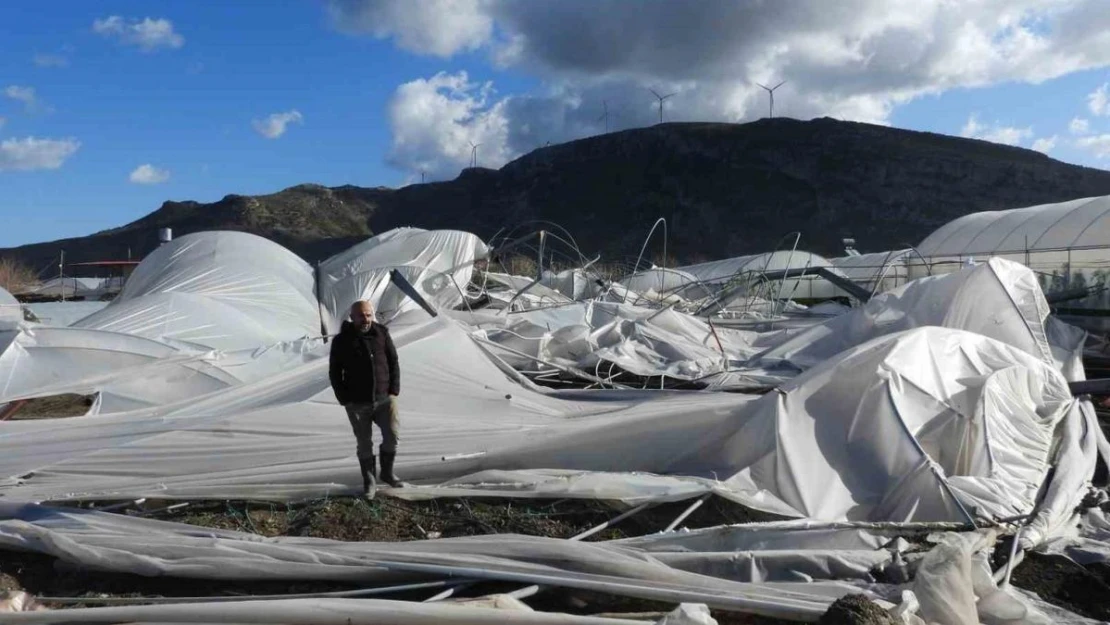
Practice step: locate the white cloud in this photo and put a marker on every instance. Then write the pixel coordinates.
(435, 121)
(26, 95)
(1099, 100)
(30, 154)
(148, 34)
(855, 59)
(274, 126)
(436, 27)
(1079, 126)
(51, 60)
(1045, 144)
(149, 174)
(1007, 135)
(1099, 145)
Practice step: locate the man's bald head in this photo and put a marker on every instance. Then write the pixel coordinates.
(362, 314)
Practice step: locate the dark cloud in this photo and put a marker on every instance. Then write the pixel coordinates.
(850, 59)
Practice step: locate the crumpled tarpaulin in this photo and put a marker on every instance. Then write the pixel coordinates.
(907, 426)
(438, 263)
(875, 427)
(574, 284)
(783, 569)
(999, 298)
(666, 286)
(215, 309)
(146, 547)
(943, 401)
(519, 292)
(219, 290)
(596, 336)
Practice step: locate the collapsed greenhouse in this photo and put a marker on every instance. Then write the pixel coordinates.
(912, 447)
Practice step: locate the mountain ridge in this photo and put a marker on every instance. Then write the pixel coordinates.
(724, 189)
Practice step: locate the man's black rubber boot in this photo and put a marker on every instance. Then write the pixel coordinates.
(368, 470)
(387, 470)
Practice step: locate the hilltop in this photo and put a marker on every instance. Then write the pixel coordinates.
(725, 189)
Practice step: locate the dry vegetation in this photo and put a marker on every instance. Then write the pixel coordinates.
(15, 276)
(518, 265)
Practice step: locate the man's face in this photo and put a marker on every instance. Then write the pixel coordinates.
(362, 314)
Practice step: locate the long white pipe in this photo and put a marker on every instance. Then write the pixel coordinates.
(309, 612)
(528, 591)
(775, 603)
(687, 512)
(339, 594)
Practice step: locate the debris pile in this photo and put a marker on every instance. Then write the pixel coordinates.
(898, 457)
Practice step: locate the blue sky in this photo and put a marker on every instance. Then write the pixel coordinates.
(379, 91)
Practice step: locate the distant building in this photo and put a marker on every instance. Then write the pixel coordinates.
(96, 280)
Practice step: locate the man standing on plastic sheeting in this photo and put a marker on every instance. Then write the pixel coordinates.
(366, 378)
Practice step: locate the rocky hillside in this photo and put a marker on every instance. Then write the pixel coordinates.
(725, 189)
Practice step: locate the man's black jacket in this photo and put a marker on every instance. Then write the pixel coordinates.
(363, 366)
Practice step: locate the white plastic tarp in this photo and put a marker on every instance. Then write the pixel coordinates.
(729, 268)
(526, 292)
(213, 309)
(885, 421)
(1082, 223)
(999, 299)
(457, 401)
(952, 584)
(639, 340)
(438, 263)
(62, 314)
(126, 371)
(220, 290)
(874, 426)
(43, 361)
(575, 284)
(11, 313)
(666, 285)
(283, 436)
(340, 611)
(131, 545)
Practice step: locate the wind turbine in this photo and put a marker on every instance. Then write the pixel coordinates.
(473, 153)
(605, 115)
(661, 98)
(771, 92)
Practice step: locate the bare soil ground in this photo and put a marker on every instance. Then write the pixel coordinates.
(1059, 581)
(68, 405)
(388, 519)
